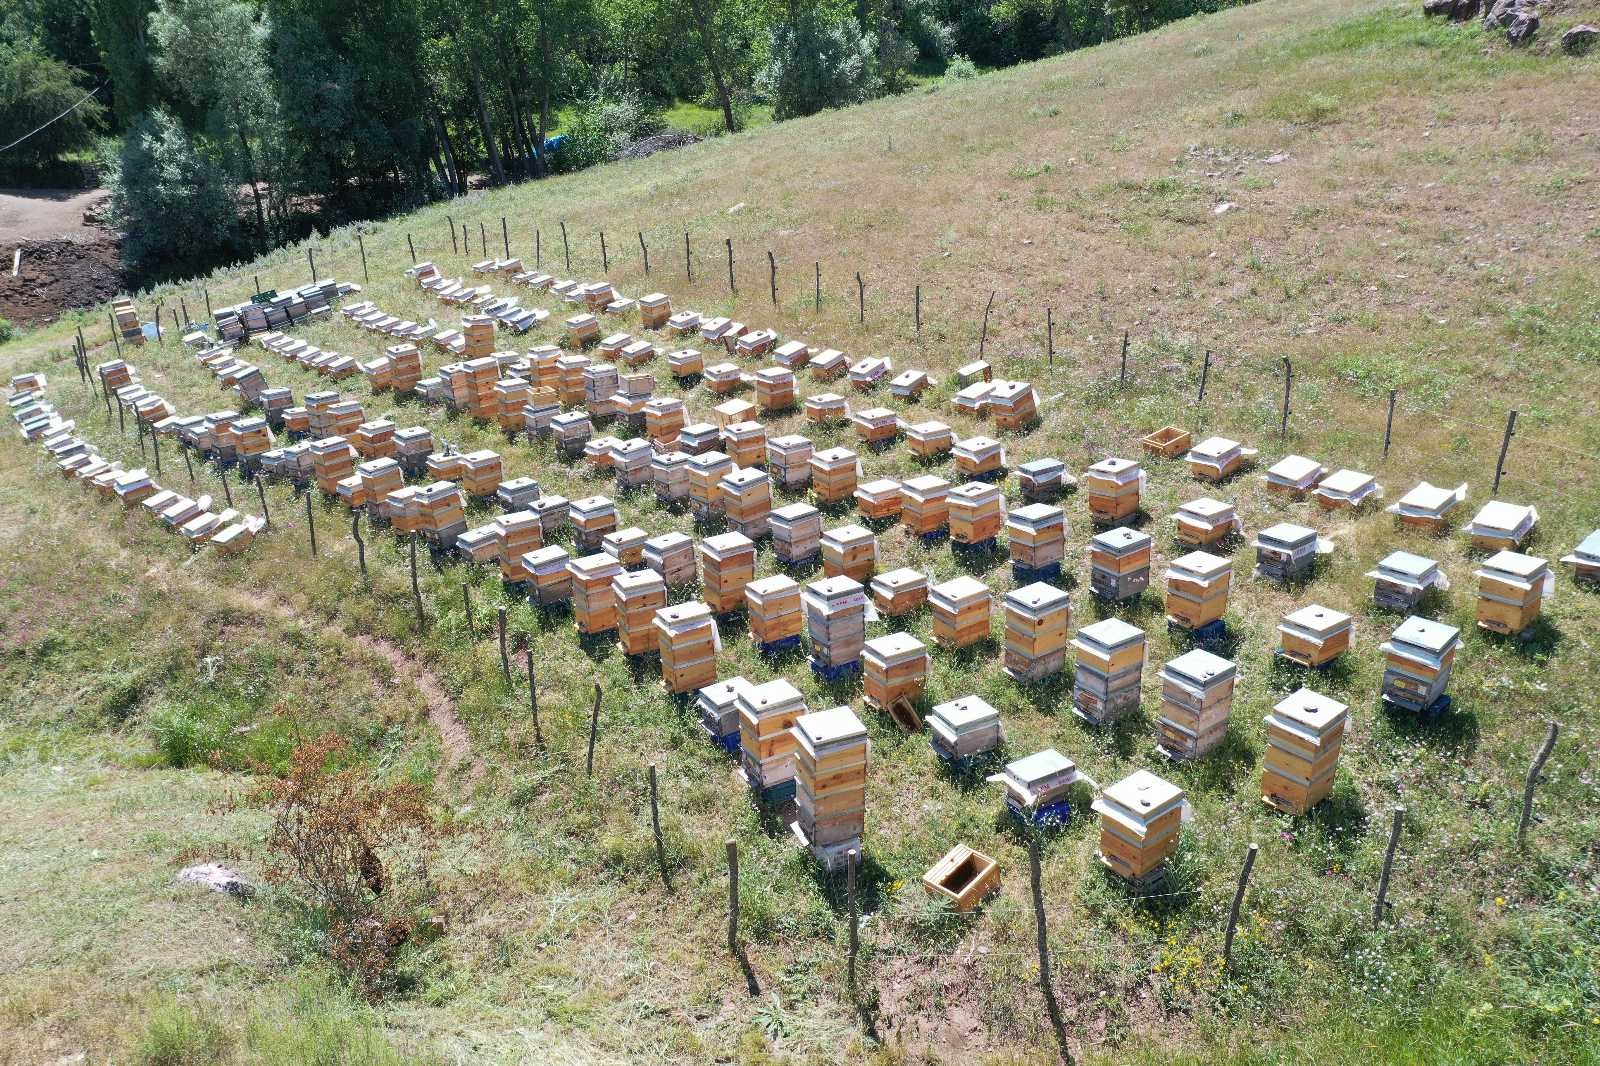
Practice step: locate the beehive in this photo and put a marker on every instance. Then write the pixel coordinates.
(1428, 507)
(1037, 786)
(686, 637)
(1217, 458)
(775, 388)
(593, 604)
(766, 743)
(960, 608)
(878, 500)
(482, 472)
(925, 505)
(789, 460)
(1014, 405)
(1285, 552)
(638, 595)
(1511, 589)
(979, 457)
(1141, 819)
(745, 443)
(549, 576)
(899, 592)
(571, 432)
(664, 417)
(1345, 489)
(833, 474)
(1305, 734)
(723, 378)
(669, 473)
(655, 310)
(791, 354)
(728, 563)
(851, 551)
(1314, 635)
(829, 364)
(867, 373)
(1119, 563)
(582, 330)
(1197, 589)
(332, 460)
(909, 384)
(685, 363)
(1036, 535)
(876, 427)
(976, 512)
(1402, 579)
(516, 535)
(756, 343)
(706, 472)
(374, 440)
(894, 667)
(826, 407)
(830, 765)
(569, 377)
(1204, 522)
(1585, 559)
(1112, 488)
(1196, 702)
(746, 501)
(774, 610)
(718, 707)
(592, 518)
(1038, 627)
(631, 462)
(973, 399)
(836, 622)
(1500, 526)
(1295, 476)
(626, 546)
(929, 440)
(1043, 480)
(599, 386)
(1110, 667)
(796, 532)
(684, 323)
(672, 556)
(1419, 657)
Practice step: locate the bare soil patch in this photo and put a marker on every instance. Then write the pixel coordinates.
(68, 261)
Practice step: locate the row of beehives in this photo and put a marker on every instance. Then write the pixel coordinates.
(226, 530)
(275, 310)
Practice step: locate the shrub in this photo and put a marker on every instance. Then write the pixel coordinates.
(818, 63)
(34, 90)
(7, 331)
(354, 850)
(960, 68)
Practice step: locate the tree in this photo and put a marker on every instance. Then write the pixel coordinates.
(119, 28)
(214, 54)
(819, 62)
(34, 89)
(175, 204)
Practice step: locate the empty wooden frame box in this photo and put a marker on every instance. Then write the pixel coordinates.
(1038, 630)
(899, 592)
(830, 759)
(1119, 563)
(1197, 589)
(1419, 657)
(1511, 589)
(894, 667)
(1500, 526)
(963, 878)
(1141, 821)
(1305, 734)
(960, 609)
(686, 637)
(1112, 488)
(851, 551)
(1204, 522)
(1110, 669)
(1168, 442)
(1196, 702)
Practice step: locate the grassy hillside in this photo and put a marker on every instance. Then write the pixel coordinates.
(1414, 209)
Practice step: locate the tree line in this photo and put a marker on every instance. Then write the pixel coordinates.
(225, 126)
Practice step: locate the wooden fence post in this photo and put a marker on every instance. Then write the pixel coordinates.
(1050, 336)
(311, 524)
(1205, 374)
(851, 861)
(538, 248)
(416, 590)
(1505, 446)
(566, 248)
(362, 244)
(1288, 383)
(861, 299)
(1238, 898)
(729, 242)
(1533, 780)
(505, 656)
(644, 250)
(817, 299)
(605, 256)
(1050, 1004)
(772, 276)
(412, 248)
(533, 701)
(311, 259)
(1388, 866)
(1122, 375)
(983, 338)
(116, 335)
(227, 492)
(594, 730)
(655, 827)
(733, 897)
(361, 545)
(453, 249)
(261, 493)
(917, 309)
(483, 239)
(1388, 425)
(505, 236)
(466, 605)
(186, 461)
(688, 260)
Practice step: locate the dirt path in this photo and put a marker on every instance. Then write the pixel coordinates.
(66, 262)
(48, 214)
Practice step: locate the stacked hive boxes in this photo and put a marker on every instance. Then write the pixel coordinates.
(833, 474)
(441, 512)
(127, 319)
(789, 460)
(582, 330)
(517, 535)
(774, 608)
(1204, 522)
(1112, 488)
(592, 518)
(1305, 733)
(1036, 534)
(685, 363)
(548, 575)
(829, 364)
(481, 473)
(796, 533)
(894, 667)
(1110, 661)
(1013, 405)
(1196, 700)
(412, 446)
(718, 705)
(766, 742)
(1585, 559)
(375, 440)
(1402, 579)
(728, 561)
(1418, 659)
(511, 394)
(379, 478)
(571, 432)
(1511, 588)
(830, 756)
(332, 460)
(1037, 786)
(745, 443)
(686, 637)
(960, 609)
(836, 622)
(899, 591)
(851, 551)
(826, 407)
(1141, 818)
(632, 461)
(473, 388)
(594, 606)
(1286, 552)
(976, 512)
(925, 505)
(1038, 626)
(929, 440)
(1314, 636)
(878, 500)
(664, 417)
(639, 594)
(1500, 526)
(599, 386)
(876, 427)
(626, 546)
(980, 458)
(775, 388)
(672, 556)
(655, 310)
(963, 728)
(1197, 589)
(706, 471)
(669, 473)
(1119, 563)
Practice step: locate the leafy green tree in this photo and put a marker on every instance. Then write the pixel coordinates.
(820, 61)
(120, 29)
(34, 89)
(174, 203)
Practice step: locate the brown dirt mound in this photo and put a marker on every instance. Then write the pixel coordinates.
(58, 275)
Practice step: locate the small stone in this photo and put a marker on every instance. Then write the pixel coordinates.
(1224, 207)
(1579, 39)
(217, 878)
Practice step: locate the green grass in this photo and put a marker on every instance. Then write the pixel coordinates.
(1373, 256)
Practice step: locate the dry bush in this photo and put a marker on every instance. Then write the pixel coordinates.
(354, 850)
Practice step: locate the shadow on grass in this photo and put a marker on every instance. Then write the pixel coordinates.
(1222, 769)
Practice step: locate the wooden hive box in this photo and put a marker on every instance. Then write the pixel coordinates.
(1314, 635)
(1204, 522)
(833, 474)
(829, 364)
(1110, 665)
(1140, 821)
(1036, 535)
(686, 637)
(925, 505)
(976, 511)
(775, 388)
(1196, 702)
(664, 416)
(894, 667)
(548, 573)
(746, 501)
(836, 620)
(929, 440)
(685, 362)
(830, 757)
(672, 556)
(594, 606)
(733, 412)
(1216, 458)
(632, 462)
(1014, 405)
(728, 563)
(1428, 507)
(1295, 476)
(1112, 489)
(1500, 526)
(1038, 628)
(684, 323)
(517, 534)
(878, 500)
(851, 551)
(766, 742)
(1511, 590)
(1168, 442)
(1345, 489)
(1305, 733)
(964, 727)
(789, 459)
(866, 373)
(1285, 552)
(979, 457)
(1585, 559)
(1043, 480)
(876, 427)
(655, 310)
(796, 532)
(626, 546)
(592, 518)
(1197, 589)
(899, 592)
(706, 471)
(791, 354)
(669, 473)
(826, 407)
(639, 594)
(773, 604)
(1419, 657)
(756, 343)
(964, 878)
(724, 378)
(745, 443)
(960, 608)
(718, 706)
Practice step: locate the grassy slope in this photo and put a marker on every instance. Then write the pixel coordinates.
(1431, 230)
